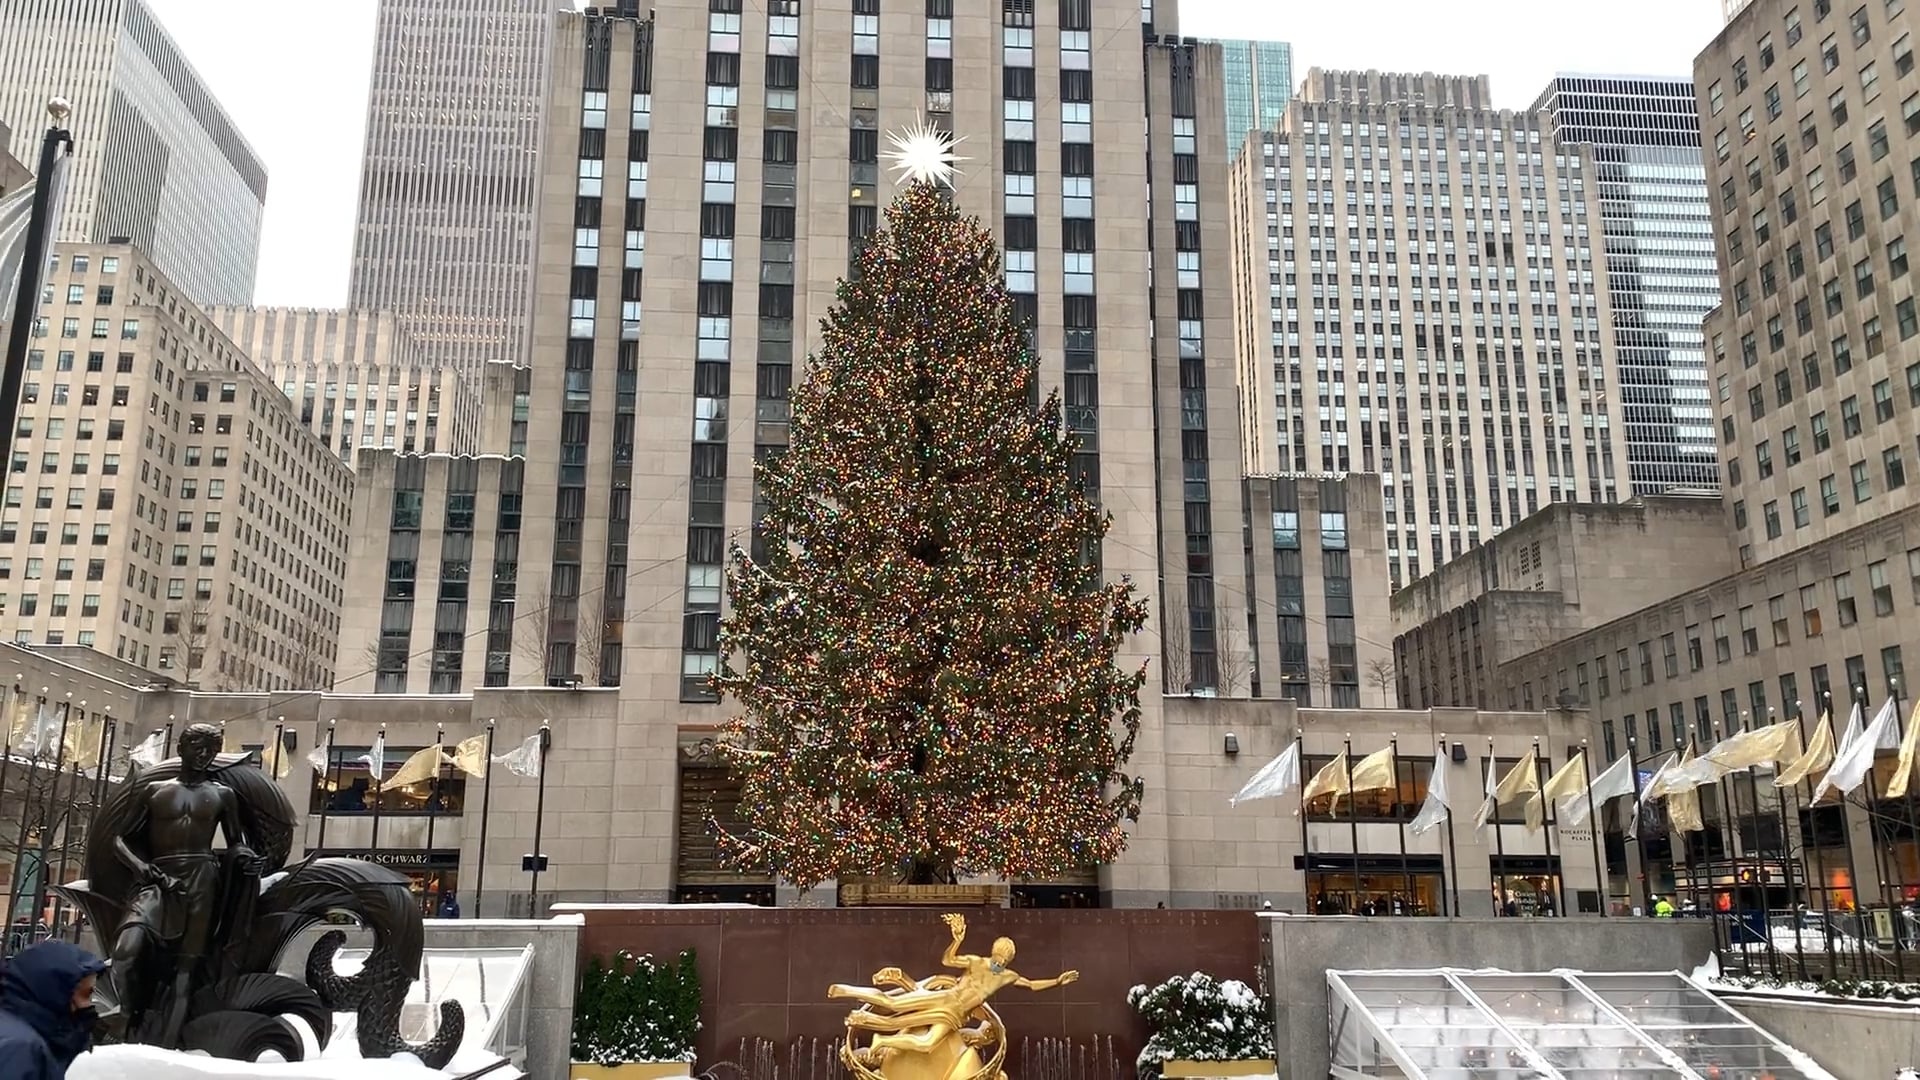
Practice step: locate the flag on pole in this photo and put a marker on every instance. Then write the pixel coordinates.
(376, 758)
(1330, 780)
(470, 757)
(1817, 756)
(317, 757)
(1436, 809)
(1275, 778)
(151, 751)
(523, 760)
(423, 765)
(1683, 797)
(1567, 783)
(1522, 779)
(1491, 803)
(1650, 792)
(1903, 765)
(1854, 761)
(1612, 783)
(1375, 772)
(16, 219)
(42, 735)
(85, 741)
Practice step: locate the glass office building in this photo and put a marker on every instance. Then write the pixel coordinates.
(1259, 82)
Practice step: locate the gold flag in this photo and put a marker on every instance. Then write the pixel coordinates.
(1569, 781)
(84, 740)
(1760, 746)
(1818, 755)
(1374, 772)
(1522, 779)
(470, 756)
(423, 765)
(1903, 766)
(1683, 805)
(1330, 780)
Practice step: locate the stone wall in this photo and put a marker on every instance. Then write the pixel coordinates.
(765, 971)
(1303, 950)
(1853, 1042)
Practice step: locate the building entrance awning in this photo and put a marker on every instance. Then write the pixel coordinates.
(1449, 1024)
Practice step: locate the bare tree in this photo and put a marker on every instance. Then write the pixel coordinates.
(1176, 653)
(530, 621)
(533, 622)
(1382, 673)
(589, 644)
(1320, 673)
(188, 632)
(1234, 663)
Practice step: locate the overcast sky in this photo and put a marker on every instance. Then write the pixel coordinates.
(294, 77)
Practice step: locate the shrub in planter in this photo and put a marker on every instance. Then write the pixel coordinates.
(1199, 1018)
(636, 1009)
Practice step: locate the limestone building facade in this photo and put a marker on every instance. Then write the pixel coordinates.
(1420, 292)
(13, 173)
(164, 505)
(626, 804)
(358, 379)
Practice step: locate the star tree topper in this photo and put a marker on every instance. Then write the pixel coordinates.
(923, 154)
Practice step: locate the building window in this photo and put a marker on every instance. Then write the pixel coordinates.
(1843, 599)
(1722, 644)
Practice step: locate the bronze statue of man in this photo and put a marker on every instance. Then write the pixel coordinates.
(180, 891)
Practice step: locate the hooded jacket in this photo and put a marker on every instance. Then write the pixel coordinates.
(40, 1034)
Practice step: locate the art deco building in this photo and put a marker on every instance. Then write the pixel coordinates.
(1420, 291)
(358, 380)
(164, 505)
(1643, 138)
(444, 237)
(156, 160)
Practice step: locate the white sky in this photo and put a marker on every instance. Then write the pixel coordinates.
(294, 77)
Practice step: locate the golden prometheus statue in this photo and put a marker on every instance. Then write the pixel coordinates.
(936, 1028)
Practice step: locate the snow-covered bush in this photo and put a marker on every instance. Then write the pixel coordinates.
(1199, 1018)
(636, 1009)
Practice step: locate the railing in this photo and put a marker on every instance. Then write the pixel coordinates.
(1803, 945)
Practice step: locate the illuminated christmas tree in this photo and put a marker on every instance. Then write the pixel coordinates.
(925, 662)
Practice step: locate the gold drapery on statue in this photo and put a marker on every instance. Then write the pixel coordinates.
(940, 1027)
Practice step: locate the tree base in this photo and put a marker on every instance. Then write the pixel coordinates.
(889, 895)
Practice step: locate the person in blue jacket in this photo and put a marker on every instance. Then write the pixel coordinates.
(46, 1010)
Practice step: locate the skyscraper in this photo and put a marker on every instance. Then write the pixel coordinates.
(444, 236)
(1418, 293)
(1643, 137)
(1259, 83)
(156, 159)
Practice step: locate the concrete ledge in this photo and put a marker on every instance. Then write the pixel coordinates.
(1851, 1040)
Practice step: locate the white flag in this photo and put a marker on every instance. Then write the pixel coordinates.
(151, 751)
(523, 760)
(1436, 808)
(376, 758)
(1275, 778)
(1854, 760)
(43, 734)
(1609, 785)
(1492, 801)
(317, 757)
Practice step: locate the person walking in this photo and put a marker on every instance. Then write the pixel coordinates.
(1662, 908)
(46, 1009)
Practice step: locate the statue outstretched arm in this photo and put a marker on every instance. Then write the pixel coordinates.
(1047, 984)
(952, 958)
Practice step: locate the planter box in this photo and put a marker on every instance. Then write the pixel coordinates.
(1217, 1070)
(923, 896)
(632, 1070)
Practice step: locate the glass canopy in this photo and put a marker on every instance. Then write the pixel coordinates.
(1446, 1024)
(488, 984)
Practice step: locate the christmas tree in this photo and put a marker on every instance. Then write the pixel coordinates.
(924, 659)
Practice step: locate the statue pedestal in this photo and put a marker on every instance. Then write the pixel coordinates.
(150, 1063)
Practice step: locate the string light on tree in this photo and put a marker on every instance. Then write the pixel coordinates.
(923, 154)
(923, 662)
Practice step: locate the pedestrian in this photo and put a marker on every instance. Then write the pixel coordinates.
(449, 906)
(1662, 908)
(46, 1009)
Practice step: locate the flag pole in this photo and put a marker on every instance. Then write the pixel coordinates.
(378, 770)
(1879, 863)
(1400, 820)
(539, 818)
(326, 788)
(1353, 822)
(166, 745)
(1499, 836)
(279, 746)
(54, 820)
(433, 796)
(1453, 851)
(1300, 795)
(1548, 822)
(33, 265)
(1633, 823)
(1601, 872)
(486, 811)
